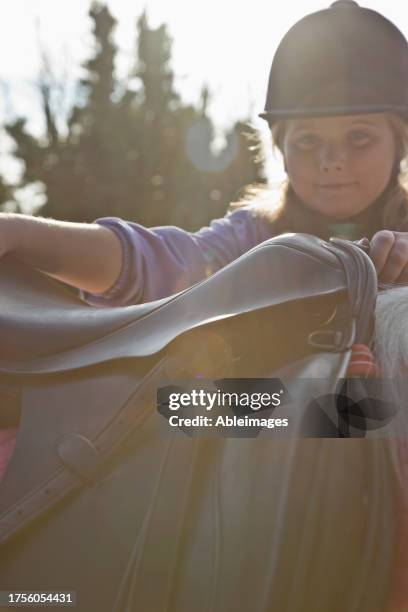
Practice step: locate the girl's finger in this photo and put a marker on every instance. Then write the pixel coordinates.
(380, 248)
(403, 277)
(396, 261)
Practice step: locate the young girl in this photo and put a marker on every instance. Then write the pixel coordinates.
(337, 106)
(337, 103)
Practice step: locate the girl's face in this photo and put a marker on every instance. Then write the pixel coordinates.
(339, 165)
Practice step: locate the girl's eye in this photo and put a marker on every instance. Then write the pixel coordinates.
(306, 141)
(359, 137)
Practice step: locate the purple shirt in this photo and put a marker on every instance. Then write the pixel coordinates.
(160, 261)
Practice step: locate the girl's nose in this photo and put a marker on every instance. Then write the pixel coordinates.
(331, 159)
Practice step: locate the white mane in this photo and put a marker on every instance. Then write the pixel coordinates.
(392, 331)
(391, 348)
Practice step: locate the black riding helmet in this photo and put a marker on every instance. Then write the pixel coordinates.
(342, 60)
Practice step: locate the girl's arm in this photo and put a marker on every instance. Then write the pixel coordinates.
(119, 263)
(86, 256)
(161, 261)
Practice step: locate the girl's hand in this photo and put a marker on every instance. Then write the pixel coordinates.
(389, 252)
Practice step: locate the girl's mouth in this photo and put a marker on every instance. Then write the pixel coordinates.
(336, 186)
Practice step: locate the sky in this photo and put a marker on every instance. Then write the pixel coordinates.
(233, 62)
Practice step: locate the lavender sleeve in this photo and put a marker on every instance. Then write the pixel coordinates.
(160, 261)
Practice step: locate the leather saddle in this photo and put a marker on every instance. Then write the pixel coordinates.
(47, 329)
(98, 472)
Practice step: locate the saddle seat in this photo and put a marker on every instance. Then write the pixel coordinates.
(45, 328)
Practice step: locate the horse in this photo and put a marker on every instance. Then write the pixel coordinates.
(135, 515)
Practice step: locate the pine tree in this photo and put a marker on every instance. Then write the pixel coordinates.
(5, 193)
(141, 155)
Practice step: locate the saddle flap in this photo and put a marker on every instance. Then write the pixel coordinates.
(44, 330)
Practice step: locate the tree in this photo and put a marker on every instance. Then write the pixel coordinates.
(137, 153)
(5, 193)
